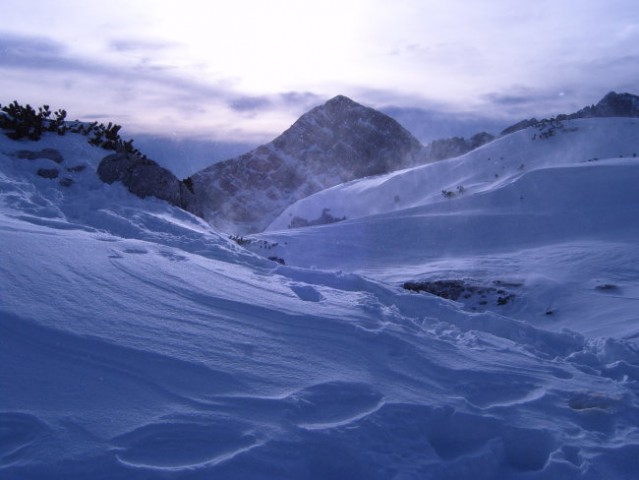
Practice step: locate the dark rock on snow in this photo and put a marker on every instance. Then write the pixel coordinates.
(45, 153)
(48, 173)
(144, 177)
(324, 219)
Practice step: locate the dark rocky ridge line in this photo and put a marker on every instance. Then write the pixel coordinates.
(444, 148)
(611, 105)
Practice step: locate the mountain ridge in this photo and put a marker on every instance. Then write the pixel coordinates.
(613, 104)
(546, 145)
(331, 144)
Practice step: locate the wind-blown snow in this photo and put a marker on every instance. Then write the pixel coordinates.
(484, 170)
(556, 215)
(136, 342)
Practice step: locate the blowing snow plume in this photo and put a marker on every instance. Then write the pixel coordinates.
(333, 143)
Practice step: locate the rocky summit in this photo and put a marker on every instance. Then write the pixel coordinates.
(329, 145)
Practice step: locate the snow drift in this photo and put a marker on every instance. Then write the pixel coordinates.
(136, 342)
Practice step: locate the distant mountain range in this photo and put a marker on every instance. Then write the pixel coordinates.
(329, 145)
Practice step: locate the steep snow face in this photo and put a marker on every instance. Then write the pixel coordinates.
(333, 143)
(137, 343)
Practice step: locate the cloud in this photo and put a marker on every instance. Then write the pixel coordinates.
(41, 53)
(43, 70)
(428, 125)
(294, 102)
(518, 104)
(34, 53)
(250, 104)
(143, 81)
(139, 45)
(156, 97)
(149, 97)
(301, 99)
(507, 100)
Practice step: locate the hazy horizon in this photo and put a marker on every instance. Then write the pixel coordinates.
(242, 72)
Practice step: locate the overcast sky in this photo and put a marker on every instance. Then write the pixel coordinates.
(244, 70)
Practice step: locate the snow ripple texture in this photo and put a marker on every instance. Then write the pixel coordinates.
(137, 343)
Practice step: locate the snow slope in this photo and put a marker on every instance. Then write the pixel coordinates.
(137, 343)
(556, 217)
(484, 170)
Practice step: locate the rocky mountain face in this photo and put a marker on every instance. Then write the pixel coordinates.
(331, 144)
(612, 105)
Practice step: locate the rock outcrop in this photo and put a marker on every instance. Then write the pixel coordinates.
(144, 177)
(455, 146)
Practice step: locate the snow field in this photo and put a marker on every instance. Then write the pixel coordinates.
(486, 169)
(136, 342)
(562, 229)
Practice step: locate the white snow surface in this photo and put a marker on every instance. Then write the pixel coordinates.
(558, 217)
(138, 343)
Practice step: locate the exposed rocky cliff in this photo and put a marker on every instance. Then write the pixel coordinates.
(333, 143)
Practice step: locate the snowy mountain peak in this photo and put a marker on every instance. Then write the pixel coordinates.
(333, 143)
(340, 101)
